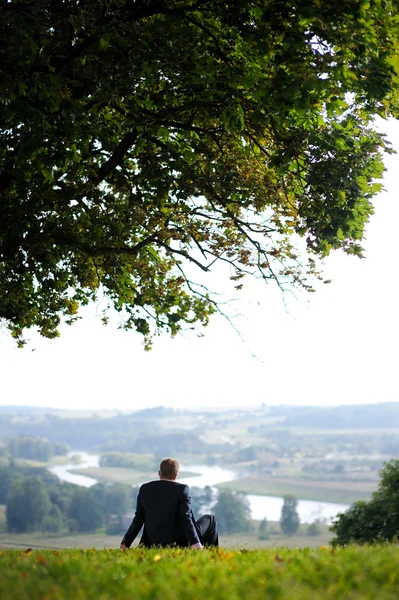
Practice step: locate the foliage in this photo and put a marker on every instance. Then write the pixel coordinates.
(232, 512)
(376, 520)
(12, 471)
(129, 461)
(6, 478)
(117, 500)
(138, 138)
(35, 448)
(355, 573)
(27, 504)
(289, 521)
(53, 522)
(85, 510)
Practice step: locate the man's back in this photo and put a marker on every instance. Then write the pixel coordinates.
(163, 507)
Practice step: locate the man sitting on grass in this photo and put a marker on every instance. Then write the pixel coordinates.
(164, 508)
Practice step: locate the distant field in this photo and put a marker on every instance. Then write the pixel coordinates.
(121, 475)
(2, 516)
(99, 541)
(326, 431)
(41, 540)
(353, 573)
(344, 492)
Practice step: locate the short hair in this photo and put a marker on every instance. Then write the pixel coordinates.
(168, 468)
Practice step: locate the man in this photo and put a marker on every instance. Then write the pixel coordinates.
(164, 508)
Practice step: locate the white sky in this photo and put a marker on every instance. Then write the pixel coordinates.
(337, 346)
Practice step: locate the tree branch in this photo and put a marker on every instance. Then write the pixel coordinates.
(182, 253)
(117, 157)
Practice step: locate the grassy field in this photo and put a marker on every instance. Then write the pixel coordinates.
(353, 573)
(122, 475)
(344, 492)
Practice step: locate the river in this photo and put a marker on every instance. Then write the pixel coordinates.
(261, 506)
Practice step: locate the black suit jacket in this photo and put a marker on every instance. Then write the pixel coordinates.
(164, 508)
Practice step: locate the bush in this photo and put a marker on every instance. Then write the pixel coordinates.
(376, 520)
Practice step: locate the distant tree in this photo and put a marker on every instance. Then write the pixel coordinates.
(61, 448)
(263, 533)
(232, 512)
(289, 521)
(61, 494)
(116, 500)
(53, 522)
(31, 448)
(376, 520)
(27, 504)
(85, 510)
(339, 469)
(5, 483)
(72, 525)
(15, 517)
(245, 454)
(99, 490)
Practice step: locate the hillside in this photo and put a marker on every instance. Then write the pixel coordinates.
(351, 573)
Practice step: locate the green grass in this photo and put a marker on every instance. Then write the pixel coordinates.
(353, 573)
(344, 492)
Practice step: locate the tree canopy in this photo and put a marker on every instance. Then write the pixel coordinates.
(143, 140)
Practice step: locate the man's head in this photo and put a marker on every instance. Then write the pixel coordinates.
(168, 469)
